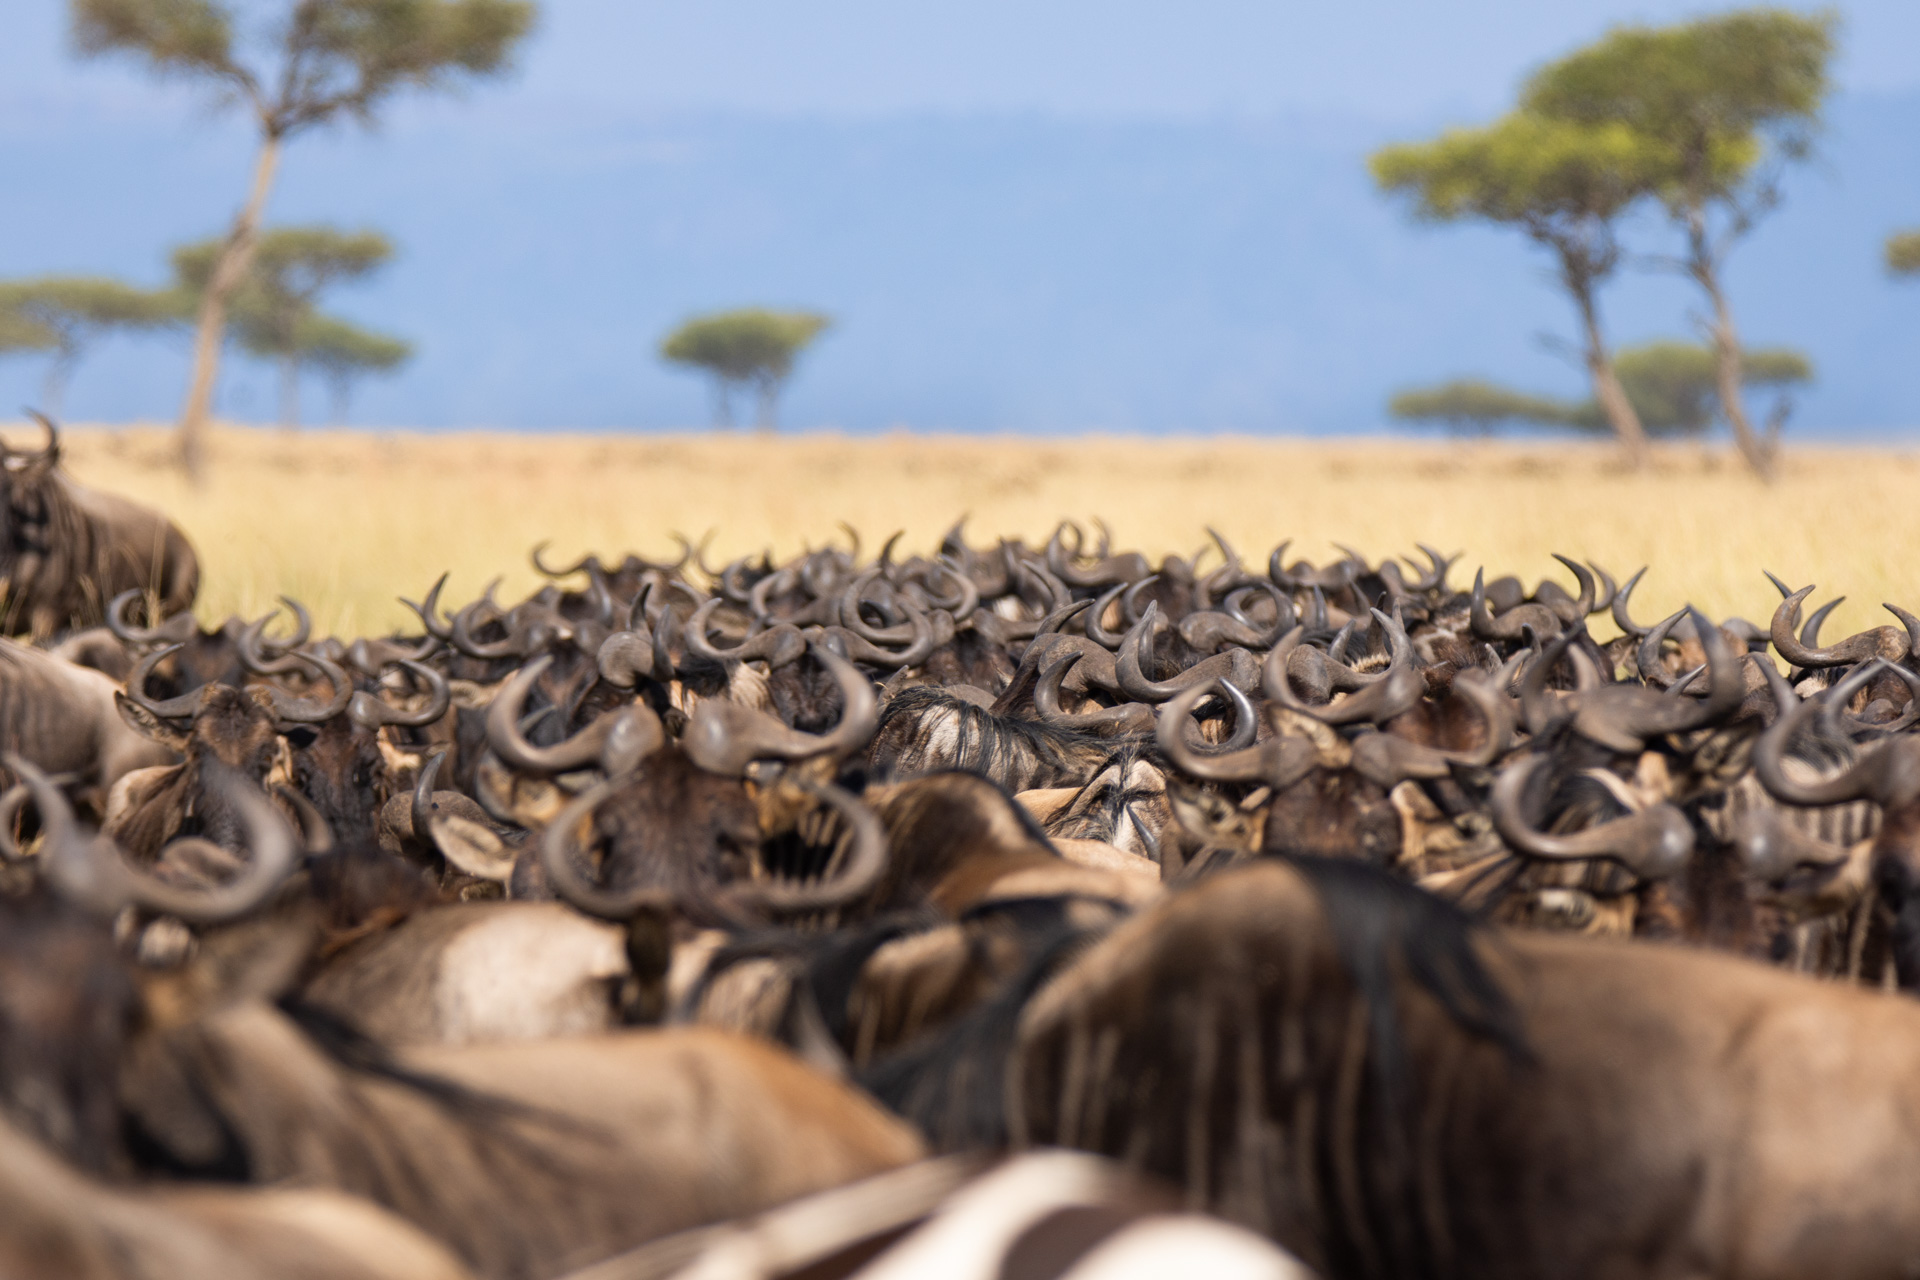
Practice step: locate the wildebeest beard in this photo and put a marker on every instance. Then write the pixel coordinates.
(679, 829)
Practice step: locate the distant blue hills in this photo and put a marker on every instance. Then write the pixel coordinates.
(998, 273)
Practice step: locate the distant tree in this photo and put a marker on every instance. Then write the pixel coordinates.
(66, 314)
(341, 352)
(313, 62)
(274, 307)
(19, 334)
(1563, 183)
(751, 349)
(1471, 405)
(1675, 385)
(1903, 253)
(1730, 99)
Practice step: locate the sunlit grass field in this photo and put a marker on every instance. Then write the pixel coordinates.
(347, 521)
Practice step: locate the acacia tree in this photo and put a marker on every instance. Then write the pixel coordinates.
(20, 335)
(1731, 99)
(749, 349)
(274, 308)
(342, 352)
(1477, 406)
(65, 315)
(1675, 385)
(1903, 253)
(312, 62)
(1564, 184)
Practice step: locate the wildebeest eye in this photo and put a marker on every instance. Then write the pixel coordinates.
(302, 736)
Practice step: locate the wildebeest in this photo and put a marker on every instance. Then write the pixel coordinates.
(1349, 1065)
(1055, 1215)
(65, 551)
(63, 718)
(1043, 845)
(524, 1157)
(58, 1224)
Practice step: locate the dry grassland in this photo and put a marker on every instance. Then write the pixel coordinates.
(346, 521)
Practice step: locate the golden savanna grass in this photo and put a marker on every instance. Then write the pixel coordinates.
(347, 521)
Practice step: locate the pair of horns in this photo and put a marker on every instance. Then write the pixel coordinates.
(90, 871)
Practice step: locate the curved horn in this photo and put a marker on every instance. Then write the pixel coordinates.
(1654, 843)
(370, 711)
(91, 872)
(1130, 717)
(1853, 649)
(1572, 612)
(725, 737)
(180, 708)
(547, 571)
(295, 710)
(631, 731)
(1280, 761)
(778, 645)
(1095, 624)
(428, 610)
(302, 631)
(1621, 617)
(1129, 669)
(966, 597)
(1283, 611)
(1435, 578)
(423, 788)
(1389, 759)
(1535, 706)
(1604, 597)
(460, 634)
(1888, 772)
(1624, 716)
(625, 656)
(559, 858)
(179, 627)
(1398, 688)
(1646, 655)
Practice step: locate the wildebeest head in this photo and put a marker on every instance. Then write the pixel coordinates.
(339, 764)
(238, 728)
(676, 826)
(64, 551)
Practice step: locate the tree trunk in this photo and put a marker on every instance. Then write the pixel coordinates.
(53, 391)
(289, 393)
(769, 403)
(236, 256)
(1607, 391)
(1726, 350)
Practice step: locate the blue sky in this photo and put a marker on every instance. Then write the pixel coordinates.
(1042, 216)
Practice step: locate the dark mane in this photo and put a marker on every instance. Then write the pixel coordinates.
(1017, 755)
(1384, 933)
(1380, 922)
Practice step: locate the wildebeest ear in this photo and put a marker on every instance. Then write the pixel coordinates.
(147, 724)
(471, 847)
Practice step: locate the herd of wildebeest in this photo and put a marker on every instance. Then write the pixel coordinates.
(1008, 910)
